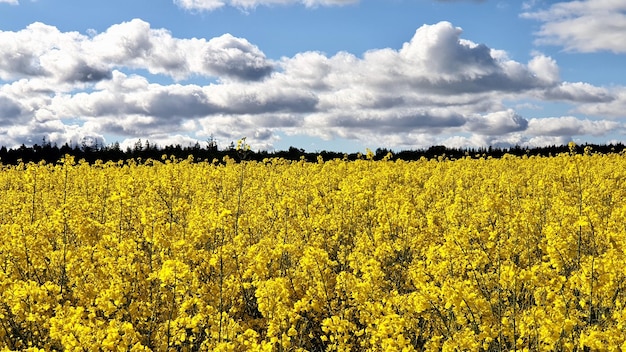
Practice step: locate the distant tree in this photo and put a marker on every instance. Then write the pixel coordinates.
(138, 147)
(211, 144)
(116, 147)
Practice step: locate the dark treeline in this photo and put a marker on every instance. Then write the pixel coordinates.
(210, 151)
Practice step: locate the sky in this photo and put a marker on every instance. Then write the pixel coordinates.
(334, 75)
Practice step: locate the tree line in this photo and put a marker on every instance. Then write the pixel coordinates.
(209, 151)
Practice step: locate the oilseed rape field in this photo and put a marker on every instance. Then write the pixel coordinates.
(474, 254)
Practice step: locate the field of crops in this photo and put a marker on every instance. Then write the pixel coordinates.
(471, 254)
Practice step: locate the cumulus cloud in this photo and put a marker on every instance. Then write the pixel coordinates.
(583, 26)
(55, 132)
(43, 51)
(439, 58)
(10, 2)
(579, 92)
(128, 95)
(235, 57)
(571, 126)
(544, 68)
(613, 108)
(497, 123)
(437, 82)
(9, 109)
(455, 56)
(210, 5)
(436, 88)
(135, 44)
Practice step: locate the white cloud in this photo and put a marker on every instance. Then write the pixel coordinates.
(210, 5)
(10, 2)
(613, 108)
(456, 58)
(200, 5)
(9, 109)
(436, 87)
(134, 44)
(235, 57)
(71, 58)
(571, 126)
(544, 68)
(437, 82)
(55, 132)
(579, 92)
(543, 141)
(497, 123)
(584, 26)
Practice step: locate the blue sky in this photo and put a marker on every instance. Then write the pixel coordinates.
(340, 75)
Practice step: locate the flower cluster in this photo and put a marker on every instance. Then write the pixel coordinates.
(470, 254)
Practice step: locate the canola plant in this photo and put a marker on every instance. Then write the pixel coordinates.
(475, 254)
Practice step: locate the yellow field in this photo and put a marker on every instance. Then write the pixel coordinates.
(471, 254)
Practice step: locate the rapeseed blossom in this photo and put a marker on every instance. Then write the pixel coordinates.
(472, 254)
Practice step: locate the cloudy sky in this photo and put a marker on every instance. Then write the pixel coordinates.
(340, 75)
